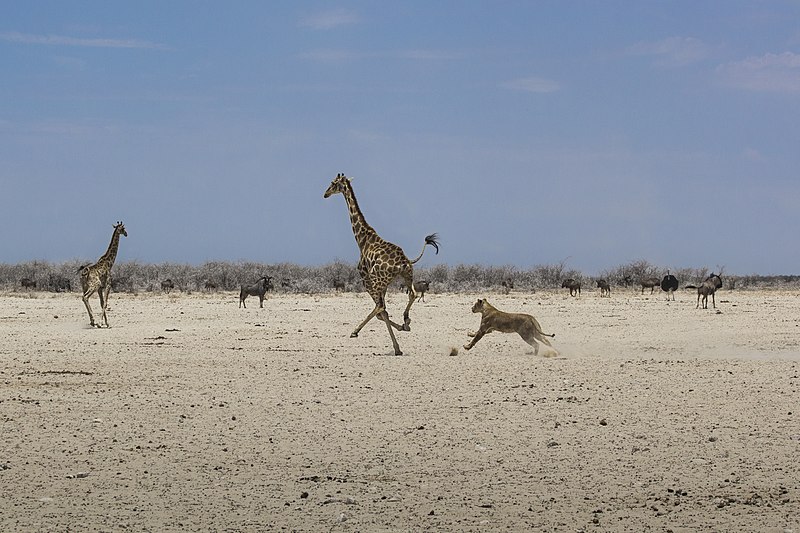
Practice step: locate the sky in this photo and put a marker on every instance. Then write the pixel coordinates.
(524, 132)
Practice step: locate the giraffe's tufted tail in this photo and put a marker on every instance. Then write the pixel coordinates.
(433, 240)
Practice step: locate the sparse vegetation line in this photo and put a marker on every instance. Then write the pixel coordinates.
(341, 276)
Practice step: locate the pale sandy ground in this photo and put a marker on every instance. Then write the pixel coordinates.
(191, 414)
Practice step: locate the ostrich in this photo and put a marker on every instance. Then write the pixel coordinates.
(669, 285)
(573, 286)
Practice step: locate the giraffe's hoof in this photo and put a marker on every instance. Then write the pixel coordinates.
(398, 352)
(406, 327)
(353, 335)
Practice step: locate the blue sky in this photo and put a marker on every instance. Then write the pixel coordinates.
(525, 133)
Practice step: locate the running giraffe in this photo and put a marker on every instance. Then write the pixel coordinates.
(380, 262)
(97, 277)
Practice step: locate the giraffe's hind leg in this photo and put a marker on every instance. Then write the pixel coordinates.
(86, 294)
(412, 295)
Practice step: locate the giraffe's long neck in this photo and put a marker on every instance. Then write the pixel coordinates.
(362, 231)
(110, 256)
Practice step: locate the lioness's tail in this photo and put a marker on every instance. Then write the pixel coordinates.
(433, 240)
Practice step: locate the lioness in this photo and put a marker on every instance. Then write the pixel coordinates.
(492, 319)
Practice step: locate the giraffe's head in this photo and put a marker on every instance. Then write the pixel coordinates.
(119, 227)
(338, 185)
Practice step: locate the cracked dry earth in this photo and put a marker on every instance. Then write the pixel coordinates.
(190, 414)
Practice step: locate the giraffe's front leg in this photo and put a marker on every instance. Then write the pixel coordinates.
(385, 317)
(103, 293)
(412, 296)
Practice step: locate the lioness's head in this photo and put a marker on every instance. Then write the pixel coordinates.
(479, 306)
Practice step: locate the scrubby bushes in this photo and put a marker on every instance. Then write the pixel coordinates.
(133, 276)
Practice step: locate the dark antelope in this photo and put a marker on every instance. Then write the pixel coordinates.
(605, 288)
(649, 283)
(259, 288)
(421, 287)
(573, 286)
(708, 287)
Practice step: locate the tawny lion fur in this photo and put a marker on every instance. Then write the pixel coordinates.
(492, 319)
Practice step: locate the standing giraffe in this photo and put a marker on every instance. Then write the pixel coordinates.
(380, 262)
(97, 277)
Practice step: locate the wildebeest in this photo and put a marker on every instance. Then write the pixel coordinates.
(287, 284)
(709, 286)
(210, 286)
(573, 286)
(259, 288)
(28, 283)
(605, 288)
(421, 287)
(669, 285)
(338, 285)
(167, 285)
(649, 283)
(508, 285)
(122, 284)
(626, 281)
(59, 283)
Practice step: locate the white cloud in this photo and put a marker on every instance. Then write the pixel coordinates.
(60, 40)
(338, 55)
(768, 73)
(427, 55)
(532, 85)
(672, 52)
(330, 55)
(327, 20)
